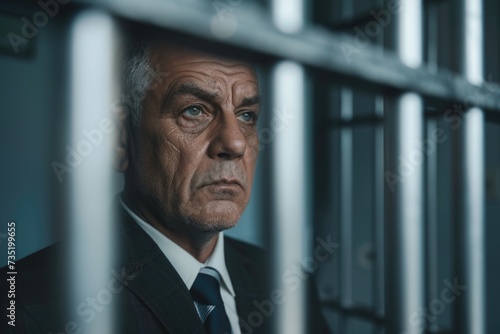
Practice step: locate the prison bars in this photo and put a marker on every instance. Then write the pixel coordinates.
(322, 50)
(311, 46)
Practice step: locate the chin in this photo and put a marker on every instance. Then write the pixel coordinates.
(214, 224)
(217, 217)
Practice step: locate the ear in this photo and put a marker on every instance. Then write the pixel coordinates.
(122, 147)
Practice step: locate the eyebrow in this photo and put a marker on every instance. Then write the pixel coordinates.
(250, 101)
(192, 89)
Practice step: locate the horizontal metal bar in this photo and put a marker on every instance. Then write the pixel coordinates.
(331, 53)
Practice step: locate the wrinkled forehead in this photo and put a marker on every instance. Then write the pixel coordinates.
(171, 57)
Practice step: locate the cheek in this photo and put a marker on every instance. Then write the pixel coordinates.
(252, 140)
(251, 161)
(253, 149)
(160, 158)
(191, 154)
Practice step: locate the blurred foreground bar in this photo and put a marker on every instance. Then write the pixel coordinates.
(93, 81)
(290, 228)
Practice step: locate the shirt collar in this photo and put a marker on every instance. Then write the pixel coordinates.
(184, 263)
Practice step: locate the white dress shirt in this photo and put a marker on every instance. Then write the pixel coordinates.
(188, 267)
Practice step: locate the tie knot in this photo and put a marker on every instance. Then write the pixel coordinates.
(211, 272)
(206, 287)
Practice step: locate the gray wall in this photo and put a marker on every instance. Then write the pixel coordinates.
(30, 100)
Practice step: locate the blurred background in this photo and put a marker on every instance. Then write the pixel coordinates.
(366, 141)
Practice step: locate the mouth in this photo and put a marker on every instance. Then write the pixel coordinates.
(228, 186)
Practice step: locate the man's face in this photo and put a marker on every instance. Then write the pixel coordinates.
(193, 155)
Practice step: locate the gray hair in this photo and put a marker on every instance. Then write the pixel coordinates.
(138, 75)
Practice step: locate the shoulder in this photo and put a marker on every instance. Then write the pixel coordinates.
(49, 255)
(39, 290)
(42, 266)
(251, 255)
(244, 248)
(247, 264)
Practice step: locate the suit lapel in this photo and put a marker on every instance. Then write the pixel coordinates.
(146, 272)
(246, 280)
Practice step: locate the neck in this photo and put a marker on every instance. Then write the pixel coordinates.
(200, 247)
(200, 244)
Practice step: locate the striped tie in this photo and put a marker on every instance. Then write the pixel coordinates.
(208, 302)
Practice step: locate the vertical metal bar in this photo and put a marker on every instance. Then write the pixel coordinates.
(290, 181)
(470, 252)
(432, 249)
(432, 227)
(288, 15)
(404, 212)
(291, 194)
(470, 243)
(404, 175)
(378, 204)
(378, 220)
(346, 199)
(93, 45)
(346, 185)
(432, 37)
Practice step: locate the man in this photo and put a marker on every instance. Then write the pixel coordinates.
(189, 157)
(188, 150)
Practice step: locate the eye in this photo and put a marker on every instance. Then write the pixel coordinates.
(194, 118)
(248, 117)
(192, 111)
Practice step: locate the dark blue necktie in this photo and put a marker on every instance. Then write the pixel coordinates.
(208, 302)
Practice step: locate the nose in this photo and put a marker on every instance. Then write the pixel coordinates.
(228, 142)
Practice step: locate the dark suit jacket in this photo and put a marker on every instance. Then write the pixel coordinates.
(148, 294)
